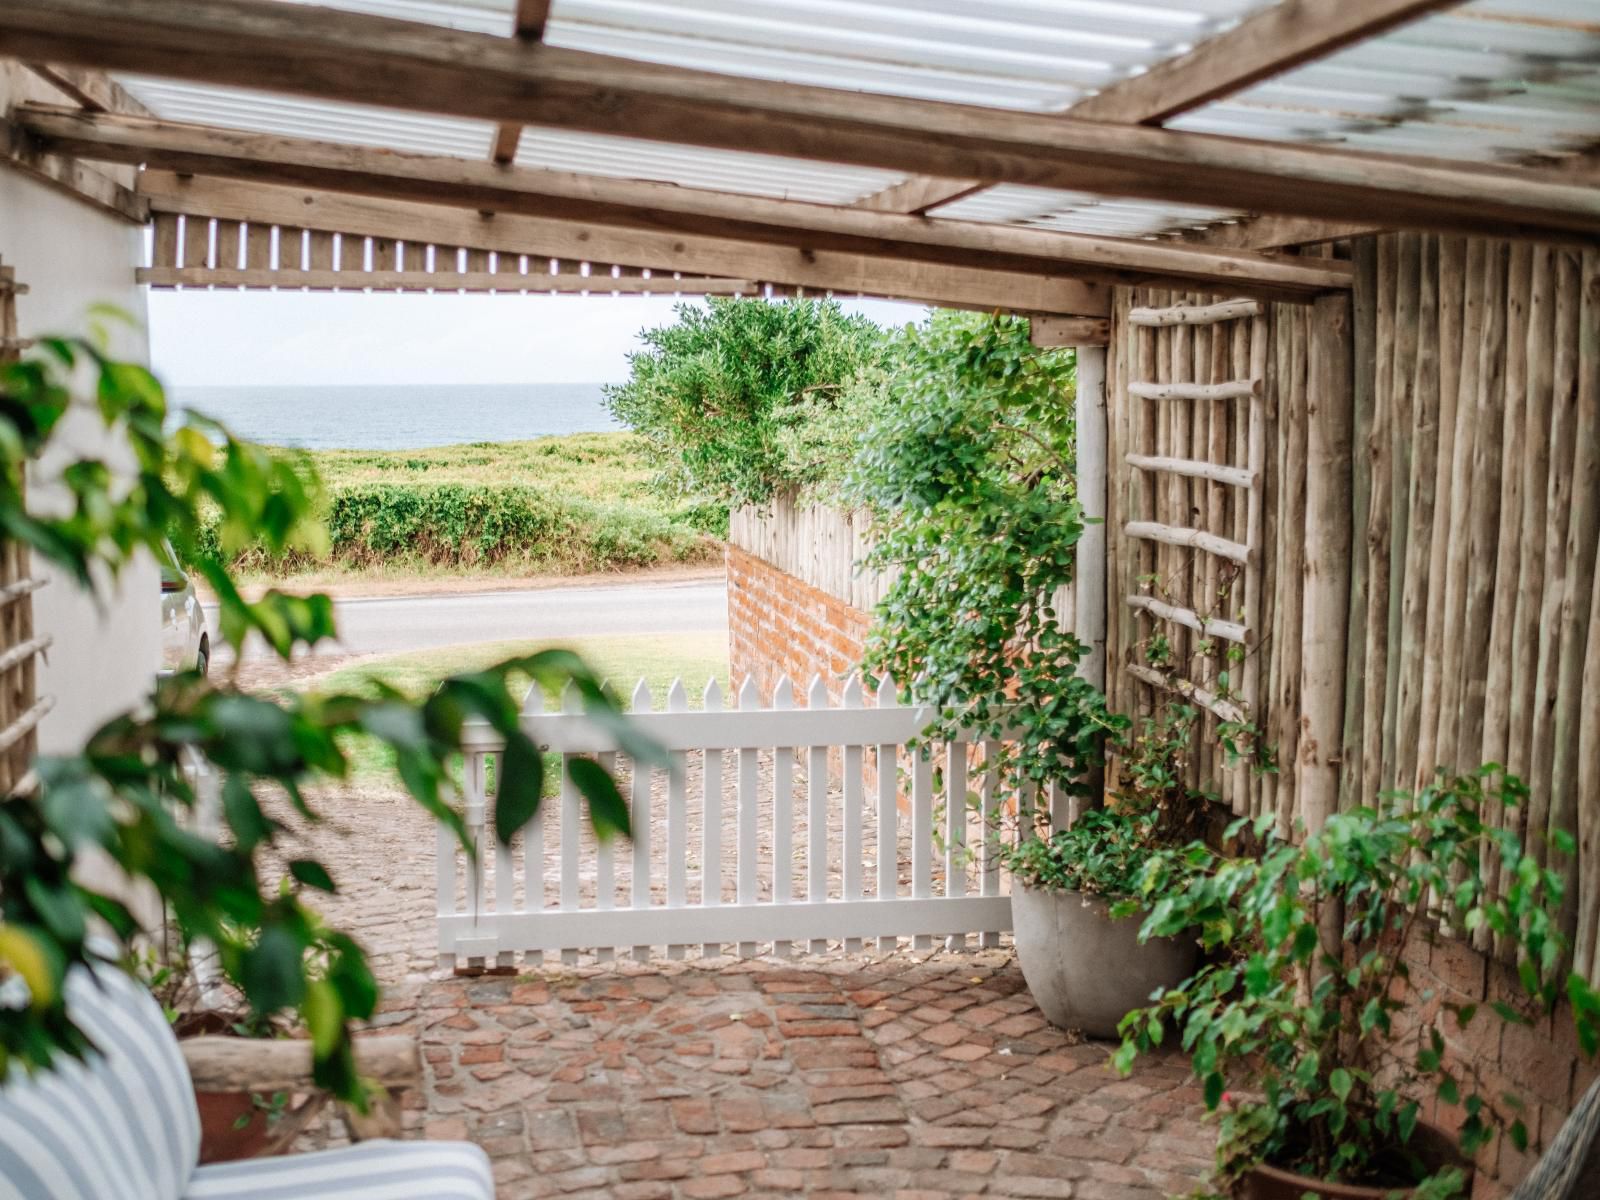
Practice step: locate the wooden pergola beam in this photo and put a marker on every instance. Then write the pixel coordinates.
(1267, 43)
(232, 154)
(1275, 232)
(823, 270)
(528, 26)
(378, 60)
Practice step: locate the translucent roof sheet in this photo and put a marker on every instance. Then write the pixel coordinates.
(1488, 80)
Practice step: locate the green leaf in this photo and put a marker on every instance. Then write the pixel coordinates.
(521, 787)
(607, 810)
(313, 874)
(272, 971)
(324, 1016)
(1340, 1082)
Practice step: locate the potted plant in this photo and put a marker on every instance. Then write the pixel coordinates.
(1077, 939)
(200, 1002)
(202, 998)
(1311, 1039)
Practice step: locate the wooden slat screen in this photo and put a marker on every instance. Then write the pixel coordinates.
(192, 251)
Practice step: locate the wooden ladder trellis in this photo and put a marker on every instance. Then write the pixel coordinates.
(21, 709)
(1197, 448)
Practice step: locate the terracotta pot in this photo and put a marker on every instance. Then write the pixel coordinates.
(221, 1138)
(1085, 970)
(1266, 1182)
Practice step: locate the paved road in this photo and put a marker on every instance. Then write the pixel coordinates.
(394, 625)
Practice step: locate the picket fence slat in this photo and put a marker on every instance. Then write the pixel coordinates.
(712, 782)
(955, 860)
(922, 833)
(990, 847)
(677, 820)
(888, 813)
(817, 814)
(749, 814)
(783, 813)
(605, 870)
(853, 850)
(493, 903)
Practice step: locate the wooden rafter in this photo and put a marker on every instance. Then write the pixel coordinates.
(1274, 232)
(378, 60)
(93, 90)
(106, 190)
(1268, 43)
(232, 154)
(529, 25)
(823, 270)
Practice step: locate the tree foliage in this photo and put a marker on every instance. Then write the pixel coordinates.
(746, 399)
(126, 794)
(968, 475)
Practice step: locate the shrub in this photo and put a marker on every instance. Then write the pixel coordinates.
(489, 525)
(739, 398)
(968, 474)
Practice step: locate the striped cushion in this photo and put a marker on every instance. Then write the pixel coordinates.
(378, 1170)
(120, 1126)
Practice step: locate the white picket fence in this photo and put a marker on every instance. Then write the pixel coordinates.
(792, 854)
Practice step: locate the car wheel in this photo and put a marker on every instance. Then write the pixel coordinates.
(202, 662)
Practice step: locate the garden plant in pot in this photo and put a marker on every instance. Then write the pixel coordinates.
(969, 478)
(1078, 943)
(1311, 1039)
(201, 999)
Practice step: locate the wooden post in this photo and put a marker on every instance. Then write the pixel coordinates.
(1329, 423)
(1363, 336)
(1089, 583)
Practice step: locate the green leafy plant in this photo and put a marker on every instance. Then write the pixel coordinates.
(742, 400)
(125, 796)
(1300, 1024)
(968, 475)
(1103, 853)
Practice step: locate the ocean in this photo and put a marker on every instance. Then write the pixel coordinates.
(399, 417)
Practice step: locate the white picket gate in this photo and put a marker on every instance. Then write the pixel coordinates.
(793, 854)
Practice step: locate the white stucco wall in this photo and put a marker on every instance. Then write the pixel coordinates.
(72, 256)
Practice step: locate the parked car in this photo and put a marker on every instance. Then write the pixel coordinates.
(185, 644)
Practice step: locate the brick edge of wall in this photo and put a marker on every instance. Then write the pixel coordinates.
(779, 625)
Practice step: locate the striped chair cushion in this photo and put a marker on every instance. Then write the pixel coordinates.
(121, 1125)
(378, 1170)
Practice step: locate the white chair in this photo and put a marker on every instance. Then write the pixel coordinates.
(122, 1125)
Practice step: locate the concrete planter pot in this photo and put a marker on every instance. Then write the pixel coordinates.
(1087, 971)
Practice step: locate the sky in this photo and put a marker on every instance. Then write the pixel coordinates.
(213, 338)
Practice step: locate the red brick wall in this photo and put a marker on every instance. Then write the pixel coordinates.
(779, 625)
(1540, 1063)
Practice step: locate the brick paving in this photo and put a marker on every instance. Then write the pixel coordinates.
(906, 1075)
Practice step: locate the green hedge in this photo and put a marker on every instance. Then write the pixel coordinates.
(499, 526)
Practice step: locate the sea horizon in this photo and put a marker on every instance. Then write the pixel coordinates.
(410, 416)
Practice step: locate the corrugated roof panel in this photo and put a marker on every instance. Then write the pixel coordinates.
(1039, 54)
(721, 170)
(1487, 80)
(288, 116)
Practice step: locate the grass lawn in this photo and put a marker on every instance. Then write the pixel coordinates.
(622, 659)
(598, 466)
